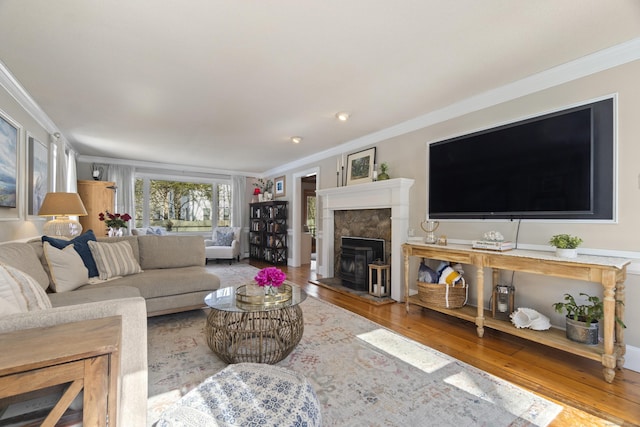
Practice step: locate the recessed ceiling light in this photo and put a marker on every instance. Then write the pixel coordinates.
(296, 139)
(342, 116)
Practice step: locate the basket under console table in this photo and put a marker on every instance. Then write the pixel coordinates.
(610, 272)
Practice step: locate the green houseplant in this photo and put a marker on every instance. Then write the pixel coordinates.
(566, 245)
(582, 319)
(384, 167)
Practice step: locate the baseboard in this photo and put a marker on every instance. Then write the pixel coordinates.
(632, 358)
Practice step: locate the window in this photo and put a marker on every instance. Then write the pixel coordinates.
(182, 206)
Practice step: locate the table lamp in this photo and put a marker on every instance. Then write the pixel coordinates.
(61, 206)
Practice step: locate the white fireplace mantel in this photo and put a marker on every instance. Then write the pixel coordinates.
(392, 193)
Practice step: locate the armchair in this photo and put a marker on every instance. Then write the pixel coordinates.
(224, 244)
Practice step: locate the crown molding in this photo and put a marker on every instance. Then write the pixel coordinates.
(600, 61)
(162, 166)
(19, 93)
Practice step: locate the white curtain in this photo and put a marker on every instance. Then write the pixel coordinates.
(124, 177)
(239, 207)
(61, 164)
(72, 175)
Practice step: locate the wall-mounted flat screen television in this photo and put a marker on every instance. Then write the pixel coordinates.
(555, 166)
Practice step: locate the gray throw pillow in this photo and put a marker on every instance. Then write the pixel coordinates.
(224, 237)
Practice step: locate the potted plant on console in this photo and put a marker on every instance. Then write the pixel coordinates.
(582, 319)
(566, 245)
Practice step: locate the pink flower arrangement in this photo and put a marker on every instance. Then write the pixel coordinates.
(270, 276)
(114, 220)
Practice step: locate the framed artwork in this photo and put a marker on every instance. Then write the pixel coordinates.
(38, 174)
(360, 166)
(9, 133)
(279, 185)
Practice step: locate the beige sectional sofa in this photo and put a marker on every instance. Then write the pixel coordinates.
(173, 279)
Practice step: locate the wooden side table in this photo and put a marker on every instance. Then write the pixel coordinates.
(84, 355)
(379, 280)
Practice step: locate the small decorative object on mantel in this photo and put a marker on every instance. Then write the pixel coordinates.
(115, 221)
(383, 175)
(269, 289)
(360, 166)
(566, 245)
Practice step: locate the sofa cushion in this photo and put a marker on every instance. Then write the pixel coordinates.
(81, 246)
(88, 295)
(165, 283)
(21, 291)
(114, 259)
(170, 251)
(24, 257)
(67, 270)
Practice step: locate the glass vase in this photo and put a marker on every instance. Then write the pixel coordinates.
(115, 232)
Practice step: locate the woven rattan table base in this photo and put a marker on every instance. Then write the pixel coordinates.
(258, 336)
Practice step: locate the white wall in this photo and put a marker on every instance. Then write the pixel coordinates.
(406, 156)
(14, 223)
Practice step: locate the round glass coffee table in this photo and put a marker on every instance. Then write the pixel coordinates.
(256, 332)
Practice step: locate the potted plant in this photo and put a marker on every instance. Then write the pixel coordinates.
(566, 245)
(384, 167)
(582, 319)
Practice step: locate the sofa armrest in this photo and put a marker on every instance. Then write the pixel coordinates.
(209, 242)
(132, 382)
(235, 248)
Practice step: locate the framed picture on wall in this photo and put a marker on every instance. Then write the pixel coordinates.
(9, 134)
(38, 173)
(360, 166)
(279, 185)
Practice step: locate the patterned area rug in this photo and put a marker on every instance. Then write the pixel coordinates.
(361, 372)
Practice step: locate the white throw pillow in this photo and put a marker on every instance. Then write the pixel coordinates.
(21, 291)
(66, 267)
(114, 259)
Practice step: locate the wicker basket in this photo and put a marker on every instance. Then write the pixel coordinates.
(442, 295)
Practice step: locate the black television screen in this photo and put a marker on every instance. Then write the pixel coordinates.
(555, 166)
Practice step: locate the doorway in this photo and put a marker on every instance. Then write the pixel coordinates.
(309, 221)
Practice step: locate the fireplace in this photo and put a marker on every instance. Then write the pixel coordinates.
(355, 256)
(391, 193)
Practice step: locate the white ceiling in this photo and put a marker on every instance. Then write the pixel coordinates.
(223, 84)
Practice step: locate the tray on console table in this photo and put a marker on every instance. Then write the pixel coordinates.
(610, 272)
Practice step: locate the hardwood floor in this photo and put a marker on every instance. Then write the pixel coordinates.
(574, 382)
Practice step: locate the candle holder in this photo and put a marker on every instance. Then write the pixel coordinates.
(503, 301)
(430, 227)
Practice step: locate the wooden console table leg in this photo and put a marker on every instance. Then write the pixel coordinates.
(477, 261)
(609, 357)
(621, 349)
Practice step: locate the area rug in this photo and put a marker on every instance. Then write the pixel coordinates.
(363, 374)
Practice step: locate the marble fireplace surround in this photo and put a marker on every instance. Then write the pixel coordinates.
(392, 193)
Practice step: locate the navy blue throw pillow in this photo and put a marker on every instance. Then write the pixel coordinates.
(81, 246)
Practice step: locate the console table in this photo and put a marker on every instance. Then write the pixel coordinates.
(610, 272)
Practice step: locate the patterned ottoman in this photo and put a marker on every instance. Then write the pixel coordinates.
(249, 394)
